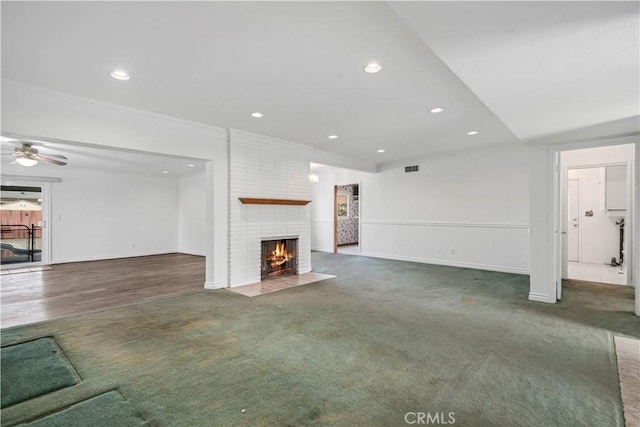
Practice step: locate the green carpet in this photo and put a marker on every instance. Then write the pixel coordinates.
(106, 410)
(382, 339)
(32, 369)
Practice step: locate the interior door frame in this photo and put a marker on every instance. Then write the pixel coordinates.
(335, 216)
(556, 198)
(45, 194)
(335, 219)
(565, 184)
(568, 224)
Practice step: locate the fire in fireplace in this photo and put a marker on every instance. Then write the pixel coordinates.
(279, 258)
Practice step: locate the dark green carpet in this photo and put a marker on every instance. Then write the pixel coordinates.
(382, 339)
(32, 369)
(106, 410)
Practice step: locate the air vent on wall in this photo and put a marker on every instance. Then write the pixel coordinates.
(408, 169)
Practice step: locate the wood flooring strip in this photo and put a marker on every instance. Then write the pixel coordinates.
(83, 287)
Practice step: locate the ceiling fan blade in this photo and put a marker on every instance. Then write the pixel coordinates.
(46, 159)
(56, 156)
(29, 142)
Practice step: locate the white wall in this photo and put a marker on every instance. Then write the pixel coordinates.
(37, 112)
(191, 214)
(598, 156)
(473, 203)
(100, 215)
(545, 254)
(263, 167)
(322, 203)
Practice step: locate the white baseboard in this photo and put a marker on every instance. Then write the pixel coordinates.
(499, 268)
(215, 285)
(115, 256)
(191, 253)
(542, 298)
(248, 282)
(328, 250)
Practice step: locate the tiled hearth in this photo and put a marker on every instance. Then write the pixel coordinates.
(279, 284)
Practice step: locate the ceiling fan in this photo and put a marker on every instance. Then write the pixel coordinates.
(27, 155)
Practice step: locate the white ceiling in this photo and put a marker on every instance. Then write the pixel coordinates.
(542, 67)
(511, 70)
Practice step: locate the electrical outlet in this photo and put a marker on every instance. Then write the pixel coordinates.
(452, 251)
(438, 250)
(133, 245)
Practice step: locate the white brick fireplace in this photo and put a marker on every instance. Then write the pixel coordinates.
(266, 168)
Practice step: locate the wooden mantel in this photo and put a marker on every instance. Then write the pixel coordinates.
(252, 201)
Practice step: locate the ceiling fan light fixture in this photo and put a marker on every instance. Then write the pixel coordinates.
(24, 161)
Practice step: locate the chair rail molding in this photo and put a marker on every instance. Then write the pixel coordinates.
(258, 201)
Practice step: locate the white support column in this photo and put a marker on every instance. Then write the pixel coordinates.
(635, 227)
(221, 221)
(542, 281)
(216, 224)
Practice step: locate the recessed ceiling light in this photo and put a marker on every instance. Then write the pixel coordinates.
(165, 171)
(472, 132)
(372, 68)
(381, 151)
(333, 136)
(257, 115)
(191, 165)
(437, 110)
(120, 75)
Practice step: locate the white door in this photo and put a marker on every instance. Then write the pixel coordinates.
(573, 220)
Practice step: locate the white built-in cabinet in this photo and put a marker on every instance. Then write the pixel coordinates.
(615, 189)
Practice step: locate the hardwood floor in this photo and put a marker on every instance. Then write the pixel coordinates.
(82, 287)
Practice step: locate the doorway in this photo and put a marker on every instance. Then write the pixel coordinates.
(23, 221)
(597, 205)
(346, 221)
(596, 214)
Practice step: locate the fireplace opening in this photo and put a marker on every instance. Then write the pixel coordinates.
(279, 258)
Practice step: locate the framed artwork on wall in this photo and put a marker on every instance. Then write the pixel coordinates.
(342, 205)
